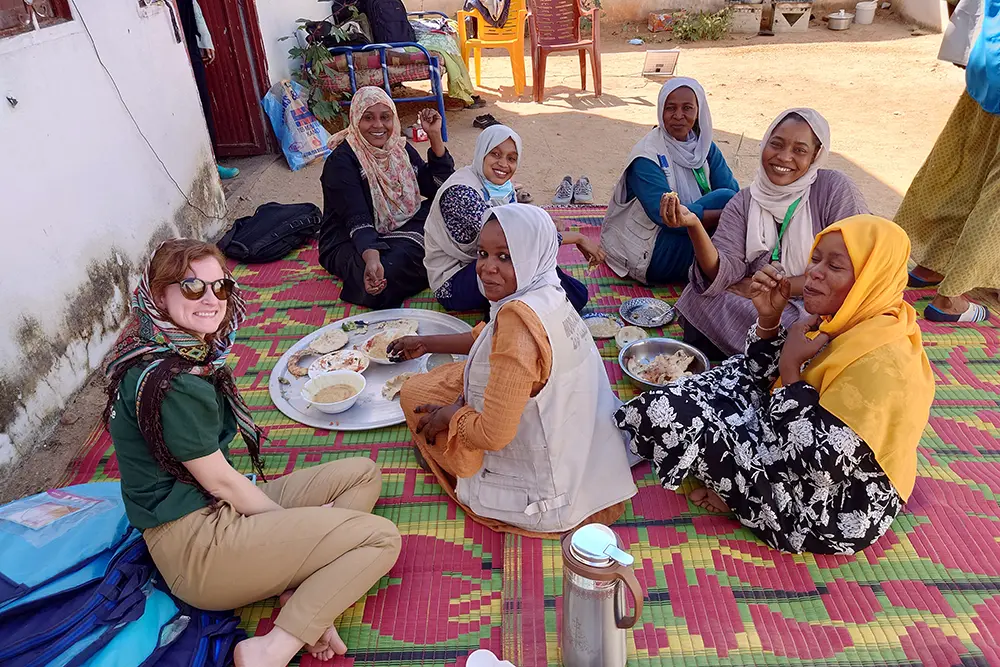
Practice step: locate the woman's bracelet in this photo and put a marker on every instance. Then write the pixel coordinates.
(766, 329)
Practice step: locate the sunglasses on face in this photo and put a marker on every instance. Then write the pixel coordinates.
(194, 288)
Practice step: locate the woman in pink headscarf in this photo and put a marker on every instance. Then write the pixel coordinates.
(377, 191)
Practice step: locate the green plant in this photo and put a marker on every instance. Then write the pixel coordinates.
(703, 25)
(314, 64)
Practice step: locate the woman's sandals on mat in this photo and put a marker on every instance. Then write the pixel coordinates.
(974, 313)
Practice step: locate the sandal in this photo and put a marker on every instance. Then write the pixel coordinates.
(974, 313)
(477, 103)
(485, 121)
(915, 281)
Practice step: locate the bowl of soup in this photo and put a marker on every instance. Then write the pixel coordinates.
(334, 392)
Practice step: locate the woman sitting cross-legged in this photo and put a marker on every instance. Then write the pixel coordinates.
(810, 437)
(456, 216)
(374, 183)
(677, 157)
(521, 435)
(220, 541)
(776, 219)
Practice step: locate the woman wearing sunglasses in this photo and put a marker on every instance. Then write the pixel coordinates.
(219, 540)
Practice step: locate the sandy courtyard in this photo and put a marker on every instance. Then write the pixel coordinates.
(883, 91)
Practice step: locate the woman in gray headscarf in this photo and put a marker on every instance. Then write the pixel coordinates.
(455, 219)
(520, 435)
(791, 199)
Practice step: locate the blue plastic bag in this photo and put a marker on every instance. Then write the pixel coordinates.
(303, 138)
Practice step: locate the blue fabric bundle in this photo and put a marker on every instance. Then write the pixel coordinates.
(78, 587)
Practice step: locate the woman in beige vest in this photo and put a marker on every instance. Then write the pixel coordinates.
(521, 435)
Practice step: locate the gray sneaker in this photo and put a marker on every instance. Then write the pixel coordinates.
(564, 193)
(583, 191)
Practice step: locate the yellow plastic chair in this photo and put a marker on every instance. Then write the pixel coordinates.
(510, 37)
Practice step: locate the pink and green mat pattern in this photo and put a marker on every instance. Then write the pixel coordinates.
(927, 593)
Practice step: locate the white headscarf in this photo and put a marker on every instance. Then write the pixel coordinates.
(489, 139)
(770, 202)
(533, 243)
(692, 153)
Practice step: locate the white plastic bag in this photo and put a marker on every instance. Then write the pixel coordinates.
(303, 138)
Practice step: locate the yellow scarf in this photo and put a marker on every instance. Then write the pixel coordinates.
(874, 374)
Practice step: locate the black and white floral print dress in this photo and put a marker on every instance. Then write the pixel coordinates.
(792, 472)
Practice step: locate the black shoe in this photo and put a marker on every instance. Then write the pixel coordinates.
(485, 121)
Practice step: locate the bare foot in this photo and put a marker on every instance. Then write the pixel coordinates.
(328, 646)
(707, 499)
(927, 275)
(275, 649)
(955, 305)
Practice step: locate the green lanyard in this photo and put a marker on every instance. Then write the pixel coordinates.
(784, 227)
(699, 175)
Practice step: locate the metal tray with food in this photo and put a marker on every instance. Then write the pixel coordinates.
(371, 410)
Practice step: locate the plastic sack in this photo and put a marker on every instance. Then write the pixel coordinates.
(303, 138)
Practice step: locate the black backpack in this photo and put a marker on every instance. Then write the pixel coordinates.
(388, 21)
(273, 231)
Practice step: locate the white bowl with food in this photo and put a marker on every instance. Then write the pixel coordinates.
(653, 363)
(343, 360)
(334, 392)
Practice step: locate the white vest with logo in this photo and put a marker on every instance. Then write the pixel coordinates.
(568, 458)
(443, 257)
(628, 236)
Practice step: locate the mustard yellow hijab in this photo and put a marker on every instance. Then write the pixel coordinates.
(874, 374)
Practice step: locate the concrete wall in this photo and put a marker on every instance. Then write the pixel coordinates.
(278, 19)
(84, 196)
(932, 14)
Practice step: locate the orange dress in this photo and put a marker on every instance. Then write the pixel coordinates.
(520, 363)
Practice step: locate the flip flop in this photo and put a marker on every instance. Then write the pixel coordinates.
(915, 281)
(974, 313)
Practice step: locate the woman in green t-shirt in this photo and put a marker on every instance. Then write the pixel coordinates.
(219, 540)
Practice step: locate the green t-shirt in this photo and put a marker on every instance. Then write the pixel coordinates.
(197, 421)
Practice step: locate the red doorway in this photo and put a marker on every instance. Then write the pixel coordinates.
(237, 80)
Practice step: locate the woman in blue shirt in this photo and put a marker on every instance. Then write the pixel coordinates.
(677, 156)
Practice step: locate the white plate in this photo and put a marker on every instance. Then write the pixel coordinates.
(337, 361)
(371, 411)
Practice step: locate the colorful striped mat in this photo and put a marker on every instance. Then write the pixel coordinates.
(927, 593)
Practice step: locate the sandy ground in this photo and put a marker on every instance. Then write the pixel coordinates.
(882, 90)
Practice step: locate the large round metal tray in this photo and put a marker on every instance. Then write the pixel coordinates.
(371, 411)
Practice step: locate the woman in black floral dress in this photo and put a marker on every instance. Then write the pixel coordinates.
(810, 437)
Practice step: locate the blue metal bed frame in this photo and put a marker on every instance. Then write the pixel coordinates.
(437, 93)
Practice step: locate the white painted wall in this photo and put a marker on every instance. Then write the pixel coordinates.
(931, 14)
(278, 18)
(83, 193)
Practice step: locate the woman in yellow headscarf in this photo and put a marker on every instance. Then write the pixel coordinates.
(810, 438)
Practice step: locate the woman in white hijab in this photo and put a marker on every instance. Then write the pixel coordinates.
(775, 220)
(452, 229)
(521, 434)
(677, 156)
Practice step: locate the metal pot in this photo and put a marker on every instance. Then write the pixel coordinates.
(840, 20)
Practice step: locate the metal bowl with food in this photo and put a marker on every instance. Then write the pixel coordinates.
(647, 350)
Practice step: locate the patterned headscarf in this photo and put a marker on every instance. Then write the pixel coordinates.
(395, 192)
(151, 336)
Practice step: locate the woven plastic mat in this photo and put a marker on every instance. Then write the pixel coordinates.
(927, 593)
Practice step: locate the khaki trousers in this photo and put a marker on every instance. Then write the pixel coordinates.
(330, 555)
